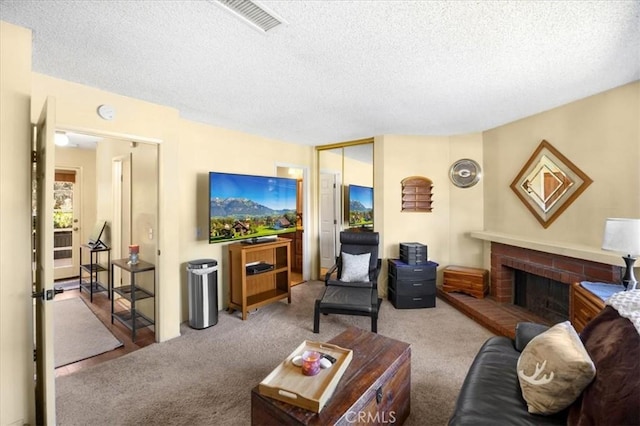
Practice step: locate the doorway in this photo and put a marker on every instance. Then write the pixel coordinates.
(340, 165)
(44, 160)
(92, 156)
(299, 245)
(329, 217)
(66, 222)
(121, 224)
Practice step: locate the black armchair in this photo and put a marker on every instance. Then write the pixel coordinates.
(351, 285)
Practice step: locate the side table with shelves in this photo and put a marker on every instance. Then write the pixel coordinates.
(251, 291)
(91, 283)
(133, 318)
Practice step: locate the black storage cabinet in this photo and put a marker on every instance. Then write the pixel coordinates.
(412, 286)
(413, 253)
(203, 293)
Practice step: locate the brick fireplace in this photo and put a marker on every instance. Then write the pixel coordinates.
(505, 259)
(497, 311)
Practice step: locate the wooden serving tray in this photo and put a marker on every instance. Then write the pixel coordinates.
(287, 383)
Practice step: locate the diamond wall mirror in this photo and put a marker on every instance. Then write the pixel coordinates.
(549, 183)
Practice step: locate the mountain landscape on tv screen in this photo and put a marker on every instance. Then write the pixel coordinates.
(241, 207)
(357, 206)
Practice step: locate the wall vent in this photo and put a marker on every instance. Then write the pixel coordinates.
(252, 13)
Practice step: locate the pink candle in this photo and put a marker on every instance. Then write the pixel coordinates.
(310, 363)
(134, 249)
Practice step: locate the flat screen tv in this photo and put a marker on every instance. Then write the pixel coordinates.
(250, 208)
(360, 206)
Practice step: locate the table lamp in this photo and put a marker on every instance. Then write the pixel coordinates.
(622, 235)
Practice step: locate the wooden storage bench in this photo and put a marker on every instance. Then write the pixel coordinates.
(472, 281)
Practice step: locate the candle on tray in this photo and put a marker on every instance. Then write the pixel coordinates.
(310, 363)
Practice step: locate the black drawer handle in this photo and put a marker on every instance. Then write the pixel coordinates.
(418, 270)
(417, 298)
(379, 395)
(417, 284)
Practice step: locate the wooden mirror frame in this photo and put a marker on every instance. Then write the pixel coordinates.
(577, 180)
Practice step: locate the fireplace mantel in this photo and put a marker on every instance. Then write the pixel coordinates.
(543, 260)
(553, 247)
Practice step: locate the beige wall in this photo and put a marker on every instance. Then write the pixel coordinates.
(16, 324)
(600, 135)
(204, 149)
(466, 205)
(455, 212)
(139, 121)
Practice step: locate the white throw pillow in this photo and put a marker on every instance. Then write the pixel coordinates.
(355, 267)
(553, 369)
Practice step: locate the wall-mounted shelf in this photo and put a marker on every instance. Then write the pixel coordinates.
(416, 194)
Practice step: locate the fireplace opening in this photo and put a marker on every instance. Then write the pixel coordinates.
(544, 297)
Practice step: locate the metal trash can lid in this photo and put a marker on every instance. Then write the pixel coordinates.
(201, 263)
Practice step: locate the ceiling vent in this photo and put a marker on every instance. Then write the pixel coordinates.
(252, 13)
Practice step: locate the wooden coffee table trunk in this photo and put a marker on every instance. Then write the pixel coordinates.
(375, 388)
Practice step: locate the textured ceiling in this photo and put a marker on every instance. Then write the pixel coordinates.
(341, 70)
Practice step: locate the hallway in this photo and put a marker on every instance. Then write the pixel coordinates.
(101, 306)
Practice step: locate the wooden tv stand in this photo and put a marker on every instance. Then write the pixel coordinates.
(250, 291)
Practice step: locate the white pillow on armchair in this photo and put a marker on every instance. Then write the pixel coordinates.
(355, 267)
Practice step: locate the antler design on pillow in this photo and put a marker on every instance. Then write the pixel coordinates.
(534, 379)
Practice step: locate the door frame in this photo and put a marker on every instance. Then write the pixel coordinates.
(44, 368)
(121, 169)
(76, 227)
(306, 214)
(45, 400)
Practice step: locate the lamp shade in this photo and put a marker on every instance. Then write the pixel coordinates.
(622, 235)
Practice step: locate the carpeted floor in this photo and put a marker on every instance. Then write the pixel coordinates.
(78, 333)
(204, 377)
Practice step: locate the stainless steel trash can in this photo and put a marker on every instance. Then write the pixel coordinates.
(203, 293)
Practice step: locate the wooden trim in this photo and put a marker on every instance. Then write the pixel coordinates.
(65, 176)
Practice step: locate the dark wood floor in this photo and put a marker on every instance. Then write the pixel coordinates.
(101, 306)
(500, 318)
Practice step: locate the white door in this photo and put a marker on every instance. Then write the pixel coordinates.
(66, 223)
(329, 218)
(45, 369)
